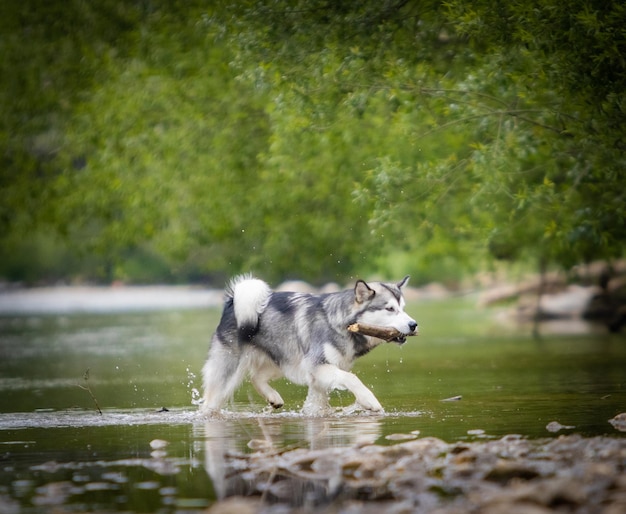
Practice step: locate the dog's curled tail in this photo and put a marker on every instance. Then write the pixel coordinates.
(250, 297)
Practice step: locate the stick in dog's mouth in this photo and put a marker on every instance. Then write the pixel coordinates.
(390, 335)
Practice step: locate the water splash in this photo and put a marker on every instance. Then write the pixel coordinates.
(196, 398)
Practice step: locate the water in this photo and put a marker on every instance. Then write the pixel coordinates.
(463, 378)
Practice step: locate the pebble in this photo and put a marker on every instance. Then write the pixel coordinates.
(158, 444)
(619, 422)
(555, 426)
(400, 437)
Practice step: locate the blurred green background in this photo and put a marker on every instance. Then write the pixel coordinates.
(162, 141)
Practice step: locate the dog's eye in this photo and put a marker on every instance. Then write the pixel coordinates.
(390, 309)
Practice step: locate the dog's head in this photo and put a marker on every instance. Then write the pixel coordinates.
(382, 304)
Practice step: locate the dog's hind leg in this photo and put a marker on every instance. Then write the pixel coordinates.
(262, 370)
(328, 377)
(222, 373)
(268, 392)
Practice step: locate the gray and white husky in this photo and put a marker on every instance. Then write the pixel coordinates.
(304, 337)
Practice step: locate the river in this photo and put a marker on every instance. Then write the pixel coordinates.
(98, 411)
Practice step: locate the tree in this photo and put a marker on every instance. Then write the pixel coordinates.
(561, 65)
(316, 139)
(541, 96)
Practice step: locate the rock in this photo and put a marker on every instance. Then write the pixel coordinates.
(555, 426)
(158, 444)
(236, 505)
(260, 445)
(504, 471)
(507, 475)
(330, 287)
(569, 303)
(619, 422)
(400, 437)
(506, 507)
(296, 286)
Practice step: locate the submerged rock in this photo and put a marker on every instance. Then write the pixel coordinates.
(619, 422)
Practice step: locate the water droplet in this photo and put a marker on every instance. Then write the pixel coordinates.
(195, 394)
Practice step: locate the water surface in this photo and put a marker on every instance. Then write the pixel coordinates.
(462, 378)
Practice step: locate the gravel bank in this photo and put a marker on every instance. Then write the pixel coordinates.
(510, 475)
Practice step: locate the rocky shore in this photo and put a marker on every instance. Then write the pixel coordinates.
(594, 294)
(510, 475)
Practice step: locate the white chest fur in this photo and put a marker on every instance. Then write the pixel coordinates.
(335, 357)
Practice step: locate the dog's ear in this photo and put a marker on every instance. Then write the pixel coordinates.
(363, 292)
(403, 282)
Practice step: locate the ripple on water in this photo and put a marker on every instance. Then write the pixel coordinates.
(87, 418)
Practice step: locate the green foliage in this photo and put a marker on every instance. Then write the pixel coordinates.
(563, 69)
(316, 139)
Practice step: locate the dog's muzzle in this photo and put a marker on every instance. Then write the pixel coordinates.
(400, 339)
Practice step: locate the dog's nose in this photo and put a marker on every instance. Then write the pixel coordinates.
(412, 325)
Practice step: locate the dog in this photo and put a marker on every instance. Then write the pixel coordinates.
(265, 335)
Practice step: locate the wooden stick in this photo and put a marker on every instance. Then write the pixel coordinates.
(88, 389)
(384, 333)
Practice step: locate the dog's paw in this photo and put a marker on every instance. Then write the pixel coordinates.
(357, 408)
(317, 409)
(378, 408)
(211, 413)
(275, 399)
(369, 402)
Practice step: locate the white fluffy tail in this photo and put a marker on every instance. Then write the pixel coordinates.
(250, 297)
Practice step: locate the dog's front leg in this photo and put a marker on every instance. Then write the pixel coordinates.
(316, 403)
(328, 377)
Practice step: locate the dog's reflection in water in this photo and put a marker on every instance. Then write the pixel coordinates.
(287, 462)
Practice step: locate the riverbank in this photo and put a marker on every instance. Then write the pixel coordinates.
(566, 309)
(123, 298)
(92, 299)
